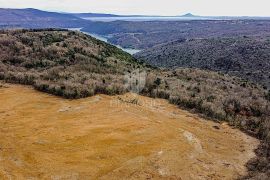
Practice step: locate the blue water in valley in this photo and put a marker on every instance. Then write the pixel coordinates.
(103, 38)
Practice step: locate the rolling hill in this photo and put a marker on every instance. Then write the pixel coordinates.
(244, 57)
(74, 65)
(32, 15)
(63, 63)
(87, 15)
(137, 35)
(143, 35)
(34, 18)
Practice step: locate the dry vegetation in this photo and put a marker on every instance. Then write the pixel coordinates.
(74, 65)
(245, 57)
(113, 137)
(223, 98)
(63, 63)
(147, 34)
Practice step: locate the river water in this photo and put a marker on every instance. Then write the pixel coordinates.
(105, 39)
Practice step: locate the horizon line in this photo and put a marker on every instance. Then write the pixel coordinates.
(131, 15)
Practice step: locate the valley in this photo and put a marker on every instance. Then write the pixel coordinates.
(105, 39)
(193, 103)
(153, 33)
(245, 57)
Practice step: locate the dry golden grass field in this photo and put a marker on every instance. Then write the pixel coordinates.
(108, 137)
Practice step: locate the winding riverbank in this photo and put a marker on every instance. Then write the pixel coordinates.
(105, 39)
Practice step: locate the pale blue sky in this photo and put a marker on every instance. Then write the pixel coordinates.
(149, 7)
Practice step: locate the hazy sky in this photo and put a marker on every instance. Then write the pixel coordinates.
(149, 7)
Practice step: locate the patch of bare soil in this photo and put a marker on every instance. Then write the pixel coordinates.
(120, 137)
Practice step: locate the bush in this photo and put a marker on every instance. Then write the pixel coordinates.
(231, 107)
(32, 57)
(267, 95)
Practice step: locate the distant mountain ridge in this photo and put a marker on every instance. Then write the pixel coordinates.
(85, 15)
(32, 14)
(9, 14)
(34, 18)
(188, 15)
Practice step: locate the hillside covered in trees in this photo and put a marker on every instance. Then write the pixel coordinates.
(245, 57)
(143, 35)
(75, 65)
(63, 63)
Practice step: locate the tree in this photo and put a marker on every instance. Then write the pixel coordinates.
(157, 83)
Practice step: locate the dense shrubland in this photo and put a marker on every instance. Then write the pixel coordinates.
(245, 57)
(63, 63)
(74, 65)
(147, 34)
(220, 97)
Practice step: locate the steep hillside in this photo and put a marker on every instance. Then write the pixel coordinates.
(245, 57)
(64, 63)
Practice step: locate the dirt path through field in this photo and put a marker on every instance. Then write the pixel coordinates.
(103, 137)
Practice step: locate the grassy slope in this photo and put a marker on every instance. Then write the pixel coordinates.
(74, 65)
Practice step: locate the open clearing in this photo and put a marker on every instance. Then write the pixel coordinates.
(108, 137)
